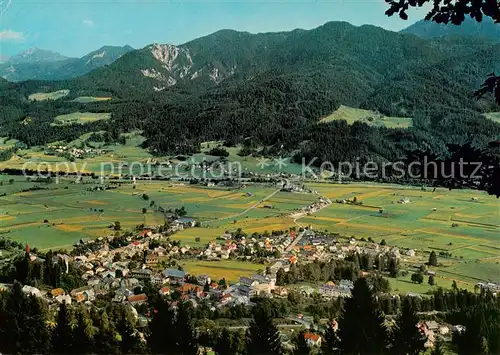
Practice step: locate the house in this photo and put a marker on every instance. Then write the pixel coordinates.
(141, 273)
(152, 259)
(164, 291)
(174, 275)
(79, 291)
(121, 294)
(63, 298)
(410, 253)
(226, 298)
(444, 330)
(246, 291)
(312, 339)
(280, 291)
(80, 297)
(89, 295)
(129, 282)
(203, 279)
(85, 241)
(185, 222)
(334, 291)
(137, 299)
(107, 274)
(261, 289)
(432, 325)
(56, 292)
(32, 291)
(247, 281)
(158, 280)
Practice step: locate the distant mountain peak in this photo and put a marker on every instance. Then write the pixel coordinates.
(486, 29)
(36, 55)
(36, 63)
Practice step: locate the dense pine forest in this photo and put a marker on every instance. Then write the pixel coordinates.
(28, 325)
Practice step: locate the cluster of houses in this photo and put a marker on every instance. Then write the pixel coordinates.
(434, 331)
(489, 286)
(78, 153)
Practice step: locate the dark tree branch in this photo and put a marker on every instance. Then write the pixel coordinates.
(445, 11)
(491, 85)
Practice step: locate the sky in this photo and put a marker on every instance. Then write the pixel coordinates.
(77, 27)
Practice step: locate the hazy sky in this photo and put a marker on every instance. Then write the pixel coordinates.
(75, 28)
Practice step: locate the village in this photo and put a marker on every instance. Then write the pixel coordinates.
(121, 267)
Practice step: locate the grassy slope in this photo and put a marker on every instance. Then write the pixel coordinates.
(495, 116)
(352, 115)
(42, 96)
(80, 117)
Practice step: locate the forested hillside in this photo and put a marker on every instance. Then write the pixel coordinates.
(270, 90)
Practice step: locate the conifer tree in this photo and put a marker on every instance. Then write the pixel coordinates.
(361, 326)
(62, 335)
(406, 337)
(225, 345)
(21, 315)
(263, 337)
(129, 342)
(438, 349)
(300, 344)
(105, 340)
(161, 337)
(185, 331)
(83, 334)
(433, 261)
(330, 341)
(39, 341)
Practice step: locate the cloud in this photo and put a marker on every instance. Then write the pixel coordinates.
(9, 35)
(88, 23)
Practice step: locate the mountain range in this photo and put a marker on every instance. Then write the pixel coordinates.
(40, 64)
(271, 89)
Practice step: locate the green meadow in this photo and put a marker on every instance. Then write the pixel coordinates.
(43, 96)
(495, 116)
(371, 118)
(80, 118)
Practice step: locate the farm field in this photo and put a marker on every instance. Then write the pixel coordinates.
(371, 118)
(231, 270)
(446, 221)
(80, 118)
(72, 212)
(443, 221)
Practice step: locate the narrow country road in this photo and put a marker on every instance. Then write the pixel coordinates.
(245, 211)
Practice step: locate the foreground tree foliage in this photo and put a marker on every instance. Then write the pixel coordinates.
(263, 337)
(361, 326)
(406, 338)
(178, 328)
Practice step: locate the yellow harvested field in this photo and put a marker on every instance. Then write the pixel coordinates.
(97, 202)
(372, 227)
(329, 219)
(68, 227)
